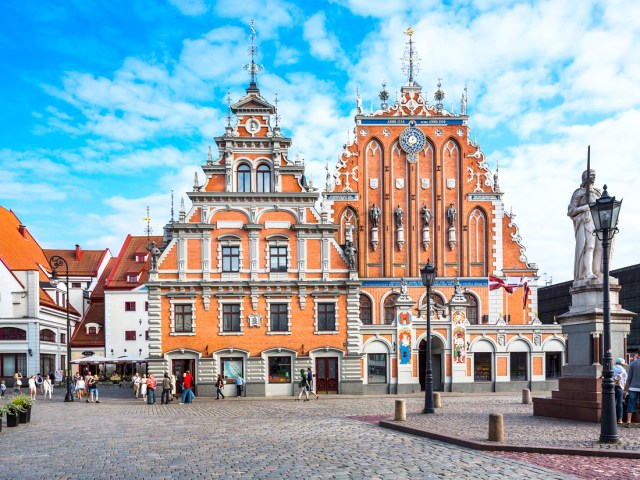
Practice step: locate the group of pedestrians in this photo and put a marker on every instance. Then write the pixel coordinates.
(305, 385)
(86, 388)
(145, 387)
(38, 384)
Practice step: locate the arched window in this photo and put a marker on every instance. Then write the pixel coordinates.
(365, 310)
(47, 335)
(390, 311)
(472, 309)
(244, 178)
(264, 178)
(11, 333)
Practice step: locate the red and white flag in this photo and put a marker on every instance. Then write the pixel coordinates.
(495, 283)
(526, 295)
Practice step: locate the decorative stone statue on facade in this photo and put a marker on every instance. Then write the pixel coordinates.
(155, 253)
(399, 225)
(451, 215)
(588, 252)
(374, 216)
(425, 213)
(350, 251)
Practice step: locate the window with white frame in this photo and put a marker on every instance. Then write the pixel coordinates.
(279, 317)
(183, 318)
(263, 178)
(326, 317)
(244, 178)
(231, 317)
(231, 258)
(278, 258)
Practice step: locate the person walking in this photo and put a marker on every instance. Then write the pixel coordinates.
(239, 384)
(95, 388)
(633, 387)
(143, 387)
(48, 388)
(219, 387)
(152, 383)
(166, 389)
(302, 386)
(17, 382)
(310, 384)
(40, 383)
(136, 384)
(80, 387)
(620, 379)
(3, 389)
(91, 387)
(186, 387)
(32, 387)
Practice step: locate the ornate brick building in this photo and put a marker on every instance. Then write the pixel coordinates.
(254, 280)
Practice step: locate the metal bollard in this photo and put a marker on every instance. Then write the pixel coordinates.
(496, 428)
(526, 396)
(401, 411)
(437, 403)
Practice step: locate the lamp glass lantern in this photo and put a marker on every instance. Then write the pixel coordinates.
(428, 274)
(54, 280)
(605, 211)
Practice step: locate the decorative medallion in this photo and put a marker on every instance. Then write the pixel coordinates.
(373, 183)
(254, 319)
(460, 132)
(438, 132)
(399, 183)
(425, 183)
(363, 132)
(451, 183)
(386, 132)
(253, 126)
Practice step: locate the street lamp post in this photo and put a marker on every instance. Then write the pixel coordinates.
(428, 274)
(56, 262)
(604, 212)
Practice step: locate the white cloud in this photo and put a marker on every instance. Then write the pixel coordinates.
(190, 7)
(322, 44)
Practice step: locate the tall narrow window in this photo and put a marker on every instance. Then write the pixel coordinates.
(390, 309)
(244, 178)
(183, 318)
(377, 368)
(326, 317)
(278, 259)
(518, 370)
(231, 317)
(264, 178)
(472, 309)
(230, 259)
(129, 306)
(365, 310)
(278, 316)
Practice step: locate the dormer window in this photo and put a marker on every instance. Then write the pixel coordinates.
(92, 328)
(141, 257)
(133, 277)
(264, 178)
(244, 178)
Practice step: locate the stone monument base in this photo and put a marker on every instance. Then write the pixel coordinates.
(578, 398)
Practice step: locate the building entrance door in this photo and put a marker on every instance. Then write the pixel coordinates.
(179, 366)
(436, 366)
(327, 375)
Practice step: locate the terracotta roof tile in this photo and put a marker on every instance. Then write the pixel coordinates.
(82, 263)
(127, 263)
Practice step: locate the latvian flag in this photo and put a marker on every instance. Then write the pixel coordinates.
(511, 286)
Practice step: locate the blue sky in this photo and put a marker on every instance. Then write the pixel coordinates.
(107, 106)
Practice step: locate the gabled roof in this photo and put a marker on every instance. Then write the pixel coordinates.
(126, 264)
(95, 314)
(82, 263)
(21, 252)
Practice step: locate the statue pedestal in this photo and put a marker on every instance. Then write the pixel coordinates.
(580, 388)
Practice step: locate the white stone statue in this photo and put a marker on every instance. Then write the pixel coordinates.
(588, 253)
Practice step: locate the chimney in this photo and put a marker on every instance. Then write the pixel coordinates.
(79, 253)
(23, 230)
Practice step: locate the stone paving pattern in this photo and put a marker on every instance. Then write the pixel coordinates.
(123, 438)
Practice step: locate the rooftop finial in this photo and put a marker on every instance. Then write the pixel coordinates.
(463, 102)
(439, 96)
(358, 102)
(384, 96)
(253, 68)
(276, 116)
(410, 59)
(209, 157)
(228, 108)
(172, 206)
(148, 228)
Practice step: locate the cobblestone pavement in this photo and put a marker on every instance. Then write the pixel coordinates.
(123, 438)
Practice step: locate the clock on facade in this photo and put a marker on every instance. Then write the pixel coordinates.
(412, 141)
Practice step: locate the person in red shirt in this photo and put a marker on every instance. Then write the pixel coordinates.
(187, 394)
(152, 383)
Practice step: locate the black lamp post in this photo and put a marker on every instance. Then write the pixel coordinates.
(428, 274)
(604, 212)
(56, 262)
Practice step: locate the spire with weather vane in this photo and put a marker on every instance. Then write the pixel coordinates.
(410, 60)
(253, 68)
(439, 96)
(383, 96)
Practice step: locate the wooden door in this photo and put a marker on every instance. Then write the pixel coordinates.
(327, 375)
(179, 367)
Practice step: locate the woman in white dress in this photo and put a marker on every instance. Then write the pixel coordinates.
(143, 387)
(32, 387)
(80, 388)
(48, 388)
